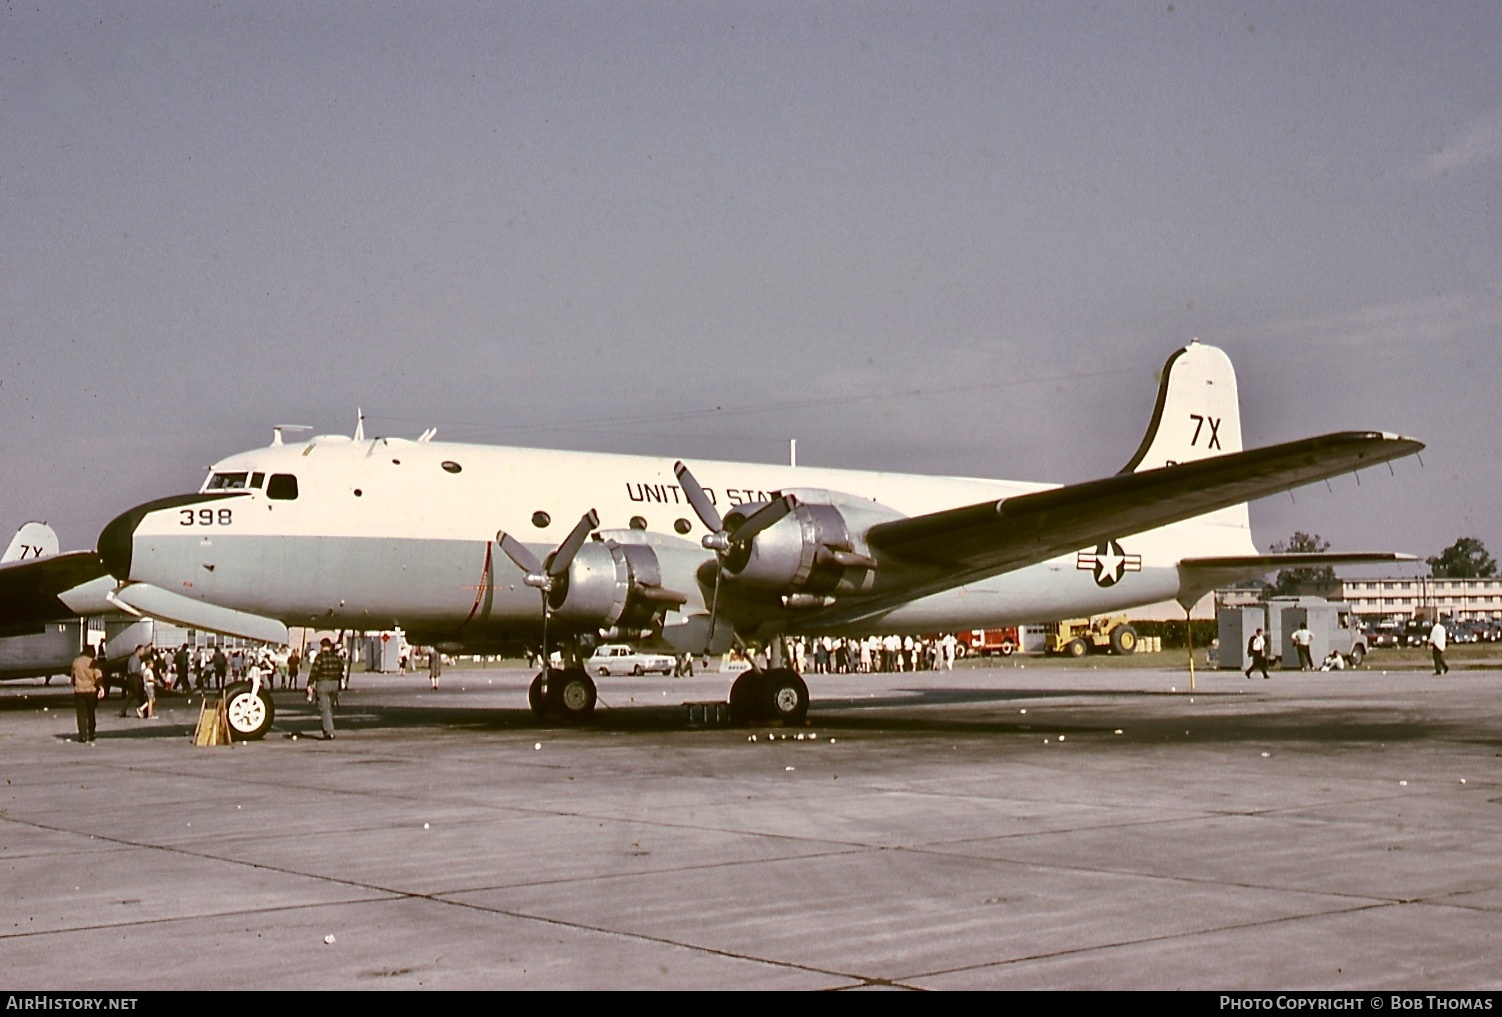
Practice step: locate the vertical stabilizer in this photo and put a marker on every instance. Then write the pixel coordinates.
(32, 540)
(1197, 415)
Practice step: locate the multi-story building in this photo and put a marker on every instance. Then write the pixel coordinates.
(1416, 597)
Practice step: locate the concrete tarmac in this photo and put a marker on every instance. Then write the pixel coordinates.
(990, 828)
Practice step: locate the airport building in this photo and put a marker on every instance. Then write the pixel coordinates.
(1416, 597)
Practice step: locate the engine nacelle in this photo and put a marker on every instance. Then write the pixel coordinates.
(611, 585)
(810, 556)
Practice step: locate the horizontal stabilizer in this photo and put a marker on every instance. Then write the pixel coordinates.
(1198, 576)
(155, 602)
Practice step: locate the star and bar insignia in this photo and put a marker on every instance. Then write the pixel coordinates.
(1108, 562)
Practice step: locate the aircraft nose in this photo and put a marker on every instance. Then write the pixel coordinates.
(116, 541)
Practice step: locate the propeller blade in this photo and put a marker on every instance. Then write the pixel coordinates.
(698, 498)
(763, 517)
(564, 556)
(518, 553)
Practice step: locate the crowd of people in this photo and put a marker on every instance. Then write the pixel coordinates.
(827, 655)
(151, 670)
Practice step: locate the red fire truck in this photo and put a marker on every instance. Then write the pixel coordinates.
(986, 642)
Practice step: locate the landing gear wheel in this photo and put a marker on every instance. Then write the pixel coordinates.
(784, 696)
(572, 694)
(250, 716)
(1124, 640)
(535, 698)
(745, 695)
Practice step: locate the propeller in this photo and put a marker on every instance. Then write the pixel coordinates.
(723, 540)
(543, 577)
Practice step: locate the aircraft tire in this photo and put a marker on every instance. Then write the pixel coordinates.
(784, 696)
(745, 698)
(535, 698)
(572, 694)
(249, 716)
(1124, 640)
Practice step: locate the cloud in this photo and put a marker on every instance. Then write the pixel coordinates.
(1481, 144)
(1437, 320)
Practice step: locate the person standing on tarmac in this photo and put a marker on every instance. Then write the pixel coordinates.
(1437, 639)
(324, 678)
(88, 689)
(1303, 639)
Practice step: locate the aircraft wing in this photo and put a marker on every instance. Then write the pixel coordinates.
(958, 546)
(30, 589)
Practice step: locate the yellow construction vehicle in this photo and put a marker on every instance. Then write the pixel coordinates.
(1075, 637)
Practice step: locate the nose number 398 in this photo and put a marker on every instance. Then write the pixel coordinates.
(205, 517)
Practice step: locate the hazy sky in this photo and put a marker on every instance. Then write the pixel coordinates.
(949, 238)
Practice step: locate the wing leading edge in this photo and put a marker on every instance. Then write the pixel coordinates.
(959, 546)
(30, 589)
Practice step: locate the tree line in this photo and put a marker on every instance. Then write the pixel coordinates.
(1467, 558)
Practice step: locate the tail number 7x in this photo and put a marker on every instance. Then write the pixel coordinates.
(1200, 421)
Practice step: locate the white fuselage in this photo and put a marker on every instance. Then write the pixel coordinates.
(391, 532)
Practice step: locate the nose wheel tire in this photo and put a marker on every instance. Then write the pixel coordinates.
(250, 715)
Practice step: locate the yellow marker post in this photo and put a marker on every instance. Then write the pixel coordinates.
(1189, 642)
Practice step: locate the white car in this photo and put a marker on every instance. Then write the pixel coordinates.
(618, 659)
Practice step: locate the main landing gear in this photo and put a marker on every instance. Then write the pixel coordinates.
(563, 694)
(777, 694)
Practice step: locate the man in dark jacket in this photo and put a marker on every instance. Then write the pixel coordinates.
(326, 674)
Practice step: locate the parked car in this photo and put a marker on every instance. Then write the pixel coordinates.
(616, 658)
(1383, 634)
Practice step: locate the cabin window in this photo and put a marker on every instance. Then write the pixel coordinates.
(541, 519)
(449, 466)
(227, 482)
(283, 487)
(682, 525)
(638, 523)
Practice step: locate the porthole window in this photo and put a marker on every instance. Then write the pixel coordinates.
(359, 493)
(541, 519)
(683, 525)
(449, 466)
(638, 523)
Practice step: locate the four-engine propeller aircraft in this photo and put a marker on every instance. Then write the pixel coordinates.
(471, 546)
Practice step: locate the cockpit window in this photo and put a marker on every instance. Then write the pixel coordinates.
(257, 479)
(227, 482)
(282, 487)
